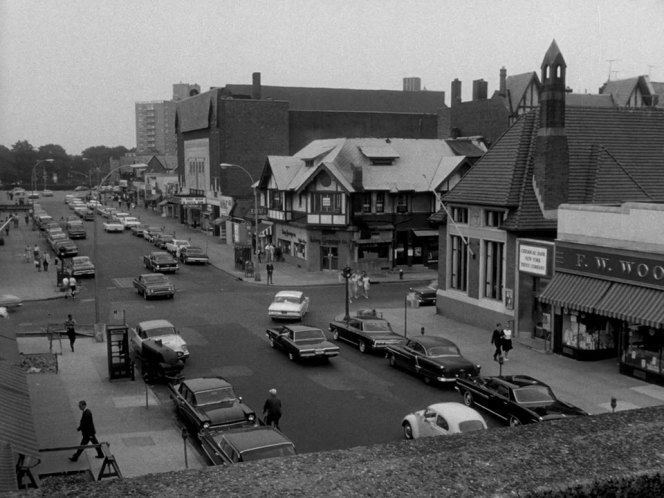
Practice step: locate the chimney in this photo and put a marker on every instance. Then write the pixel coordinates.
(503, 81)
(480, 88)
(256, 86)
(456, 92)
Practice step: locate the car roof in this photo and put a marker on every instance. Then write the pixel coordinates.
(456, 411)
(255, 437)
(154, 324)
(206, 383)
(298, 328)
(289, 293)
(430, 341)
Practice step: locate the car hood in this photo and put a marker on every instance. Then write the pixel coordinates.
(425, 290)
(284, 307)
(225, 413)
(557, 409)
(175, 342)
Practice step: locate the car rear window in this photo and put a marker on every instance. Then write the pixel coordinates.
(533, 394)
(471, 425)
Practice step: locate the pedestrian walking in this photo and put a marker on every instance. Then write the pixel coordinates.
(35, 253)
(88, 432)
(496, 340)
(269, 251)
(365, 282)
(506, 343)
(269, 268)
(28, 253)
(72, 286)
(65, 286)
(272, 409)
(70, 328)
(46, 260)
(27, 219)
(355, 285)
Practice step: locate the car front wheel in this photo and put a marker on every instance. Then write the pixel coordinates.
(407, 431)
(467, 398)
(272, 344)
(514, 422)
(335, 334)
(291, 356)
(393, 361)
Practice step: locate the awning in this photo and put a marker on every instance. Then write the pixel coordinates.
(574, 292)
(264, 229)
(163, 203)
(220, 220)
(634, 304)
(425, 233)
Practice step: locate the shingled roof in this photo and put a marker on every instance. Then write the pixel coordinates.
(615, 156)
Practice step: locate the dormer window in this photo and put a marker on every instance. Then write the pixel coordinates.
(309, 163)
(380, 155)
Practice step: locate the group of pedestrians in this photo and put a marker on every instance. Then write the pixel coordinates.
(359, 283)
(501, 338)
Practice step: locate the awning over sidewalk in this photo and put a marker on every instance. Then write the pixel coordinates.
(633, 304)
(425, 233)
(220, 220)
(163, 203)
(574, 292)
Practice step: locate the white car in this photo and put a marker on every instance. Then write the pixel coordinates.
(288, 305)
(175, 245)
(161, 330)
(442, 419)
(113, 226)
(130, 221)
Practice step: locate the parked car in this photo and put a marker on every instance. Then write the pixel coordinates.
(517, 399)
(150, 233)
(137, 230)
(47, 193)
(426, 294)
(130, 221)
(434, 358)
(245, 444)
(301, 342)
(159, 330)
(160, 261)
(113, 226)
(365, 328)
(175, 246)
(80, 188)
(288, 305)
(79, 266)
(210, 402)
(65, 248)
(193, 255)
(442, 419)
(154, 285)
(76, 230)
(33, 195)
(161, 240)
(10, 301)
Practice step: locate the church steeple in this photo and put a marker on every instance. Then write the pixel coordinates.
(552, 99)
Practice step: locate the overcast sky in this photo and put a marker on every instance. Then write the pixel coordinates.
(71, 70)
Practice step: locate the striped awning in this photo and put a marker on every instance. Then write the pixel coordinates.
(634, 304)
(574, 292)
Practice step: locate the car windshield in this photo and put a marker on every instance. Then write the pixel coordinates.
(214, 396)
(377, 326)
(310, 335)
(163, 257)
(159, 331)
(268, 452)
(155, 279)
(534, 395)
(444, 351)
(471, 425)
(287, 299)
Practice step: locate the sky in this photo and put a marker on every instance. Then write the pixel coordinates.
(71, 71)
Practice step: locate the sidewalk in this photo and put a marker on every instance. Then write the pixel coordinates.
(143, 433)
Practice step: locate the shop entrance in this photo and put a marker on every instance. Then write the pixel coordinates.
(329, 258)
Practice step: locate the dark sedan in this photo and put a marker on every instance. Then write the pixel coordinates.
(301, 342)
(210, 402)
(65, 248)
(365, 328)
(517, 399)
(435, 359)
(154, 285)
(426, 294)
(245, 444)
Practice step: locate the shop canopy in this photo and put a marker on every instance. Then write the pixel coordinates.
(574, 292)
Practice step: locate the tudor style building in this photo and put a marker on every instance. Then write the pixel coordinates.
(497, 244)
(363, 202)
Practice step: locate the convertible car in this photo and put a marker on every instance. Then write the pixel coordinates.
(517, 399)
(245, 444)
(365, 328)
(210, 402)
(442, 419)
(301, 342)
(288, 305)
(433, 358)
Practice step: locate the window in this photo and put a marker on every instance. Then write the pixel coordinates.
(460, 215)
(459, 264)
(366, 202)
(442, 423)
(493, 218)
(493, 269)
(402, 203)
(326, 202)
(274, 197)
(380, 202)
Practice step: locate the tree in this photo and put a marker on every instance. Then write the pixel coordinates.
(53, 151)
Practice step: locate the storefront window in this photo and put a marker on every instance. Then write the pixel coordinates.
(588, 332)
(644, 348)
(373, 251)
(285, 246)
(300, 250)
(493, 269)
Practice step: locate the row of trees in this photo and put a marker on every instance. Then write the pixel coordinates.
(17, 164)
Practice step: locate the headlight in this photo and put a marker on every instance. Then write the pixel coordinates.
(206, 425)
(251, 417)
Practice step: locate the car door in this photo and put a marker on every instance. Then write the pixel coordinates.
(415, 353)
(499, 399)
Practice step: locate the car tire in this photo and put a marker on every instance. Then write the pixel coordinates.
(335, 334)
(291, 356)
(468, 398)
(514, 421)
(145, 295)
(363, 347)
(393, 361)
(272, 344)
(427, 380)
(407, 430)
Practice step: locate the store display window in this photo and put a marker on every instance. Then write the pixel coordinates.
(588, 332)
(643, 348)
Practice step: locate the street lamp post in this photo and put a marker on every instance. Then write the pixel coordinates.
(33, 179)
(254, 256)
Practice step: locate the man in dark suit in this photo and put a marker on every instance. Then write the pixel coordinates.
(87, 428)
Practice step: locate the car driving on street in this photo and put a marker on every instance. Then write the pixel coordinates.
(365, 328)
(301, 342)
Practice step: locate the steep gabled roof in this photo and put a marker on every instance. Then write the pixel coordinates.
(517, 85)
(283, 169)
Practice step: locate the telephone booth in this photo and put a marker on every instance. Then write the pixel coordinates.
(119, 359)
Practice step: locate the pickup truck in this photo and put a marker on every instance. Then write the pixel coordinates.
(174, 246)
(161, 262)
